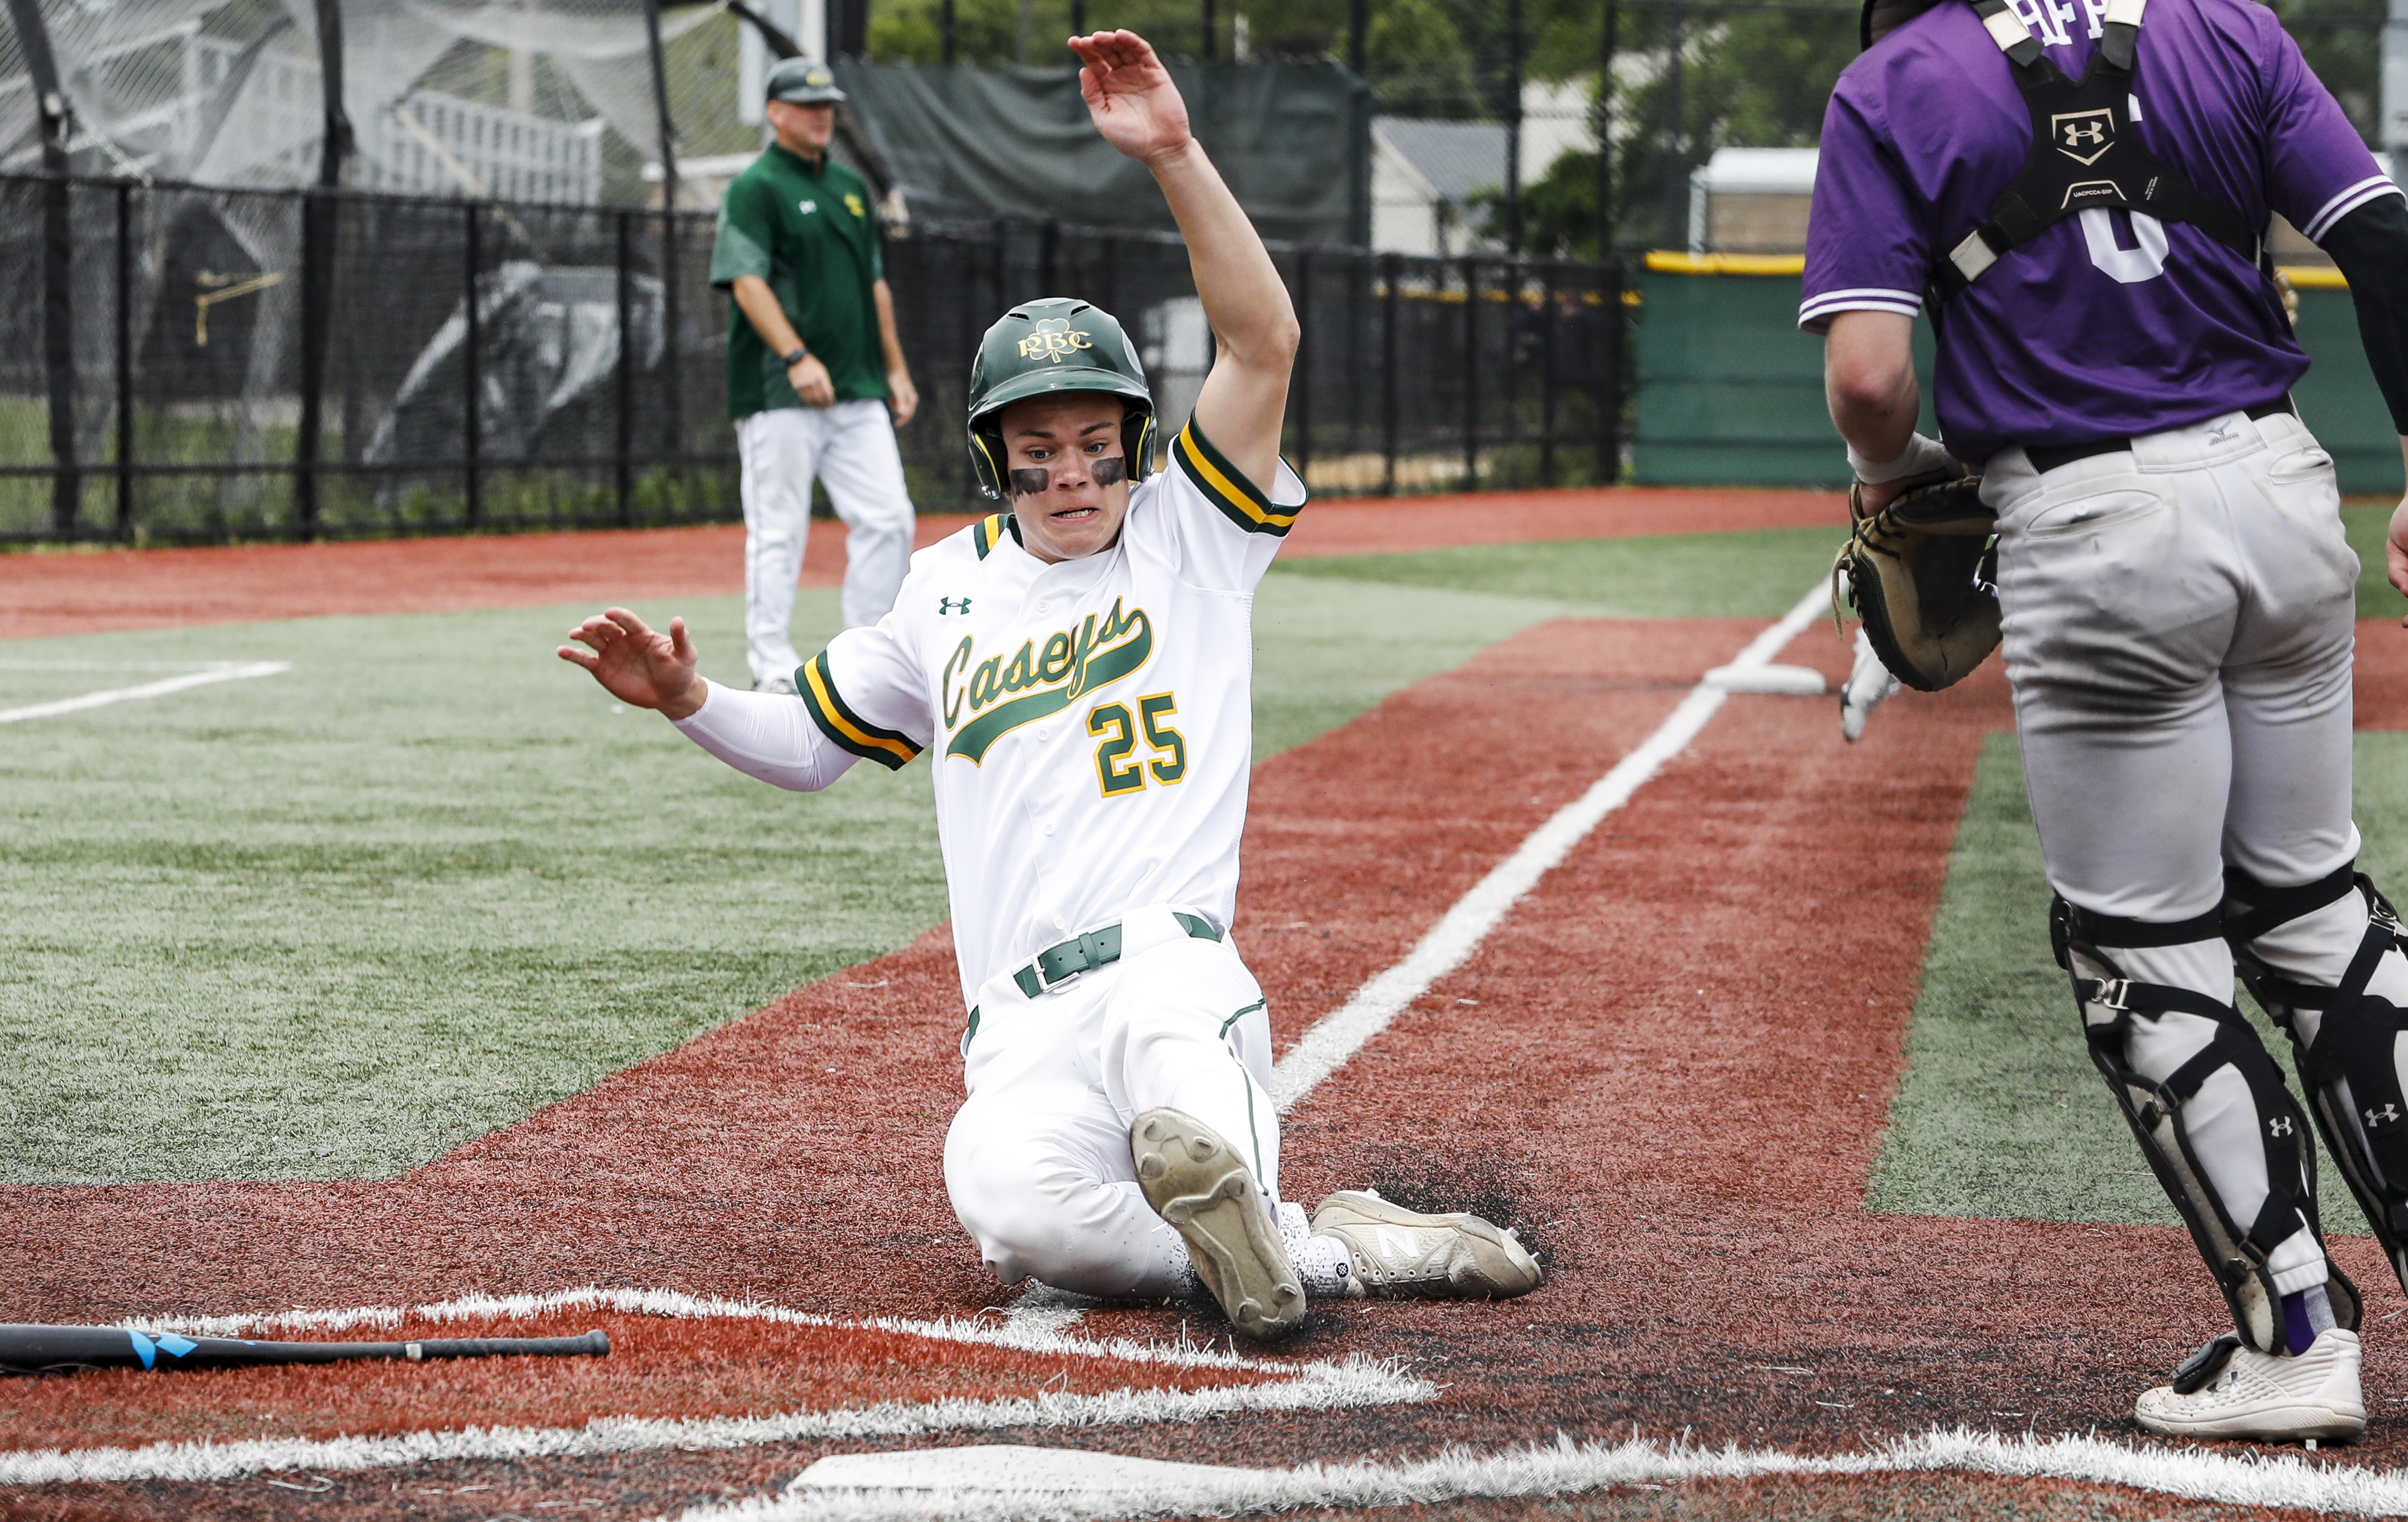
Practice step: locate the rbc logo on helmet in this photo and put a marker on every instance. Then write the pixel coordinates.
(1054, 338)
(2083, 137)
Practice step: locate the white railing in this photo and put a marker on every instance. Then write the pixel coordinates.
(425, 143)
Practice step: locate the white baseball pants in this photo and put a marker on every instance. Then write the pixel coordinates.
(2178, 627)
(850, 447)
(1036, 1160)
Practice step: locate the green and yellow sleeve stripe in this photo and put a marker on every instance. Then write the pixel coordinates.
(844, 727)
(988, 532)
(1239, 500)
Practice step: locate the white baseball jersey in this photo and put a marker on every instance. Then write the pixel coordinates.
(1091, 722)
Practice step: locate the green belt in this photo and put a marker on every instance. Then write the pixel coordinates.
(1058, 964)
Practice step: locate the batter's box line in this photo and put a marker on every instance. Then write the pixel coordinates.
(225, 672)
(1567, 1467)
(1320, 1385)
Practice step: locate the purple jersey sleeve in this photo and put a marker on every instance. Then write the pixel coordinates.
(2317, 171)
(1864, 245)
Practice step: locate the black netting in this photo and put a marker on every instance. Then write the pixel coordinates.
(207, 365)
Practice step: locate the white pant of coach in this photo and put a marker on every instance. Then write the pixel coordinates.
(851, 447)
(2178, 625)
(1036, 1160)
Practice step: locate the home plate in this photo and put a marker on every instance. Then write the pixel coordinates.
(1793, 681)
(1006, 1470)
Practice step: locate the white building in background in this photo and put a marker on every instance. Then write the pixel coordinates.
(1751, 200)
(424, 143)
(1424, 173)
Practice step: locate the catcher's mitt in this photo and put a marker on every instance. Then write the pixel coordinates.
(1919, 574)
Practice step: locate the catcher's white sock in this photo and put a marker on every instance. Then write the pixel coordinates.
(1322, 1263)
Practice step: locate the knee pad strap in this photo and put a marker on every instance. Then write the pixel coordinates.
(2349, 1068)
(2235, 1251)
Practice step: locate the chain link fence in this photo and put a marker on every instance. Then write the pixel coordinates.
(182, 365)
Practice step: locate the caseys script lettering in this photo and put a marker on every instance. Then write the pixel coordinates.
(1046, 680)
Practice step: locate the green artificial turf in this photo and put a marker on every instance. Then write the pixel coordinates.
(1760, 574)
(334, 922)
(2366, 527)
(2001, 1113)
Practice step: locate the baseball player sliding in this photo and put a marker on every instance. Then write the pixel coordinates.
(2082, 191)
(1079, 667)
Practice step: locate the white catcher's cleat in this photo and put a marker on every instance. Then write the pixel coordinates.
(1870, 684)
(1195, 1180)
(2255, 1395)
(1401, 1254)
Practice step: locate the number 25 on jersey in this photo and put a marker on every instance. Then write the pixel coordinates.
(1117, 769)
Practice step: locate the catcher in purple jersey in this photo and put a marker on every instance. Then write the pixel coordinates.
(2076, 195)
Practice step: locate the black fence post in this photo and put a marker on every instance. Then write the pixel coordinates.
(1049, 256)
(1470, 374)
(1548, 363)
(317, 263)
(672, 351)
(58, 350)
(1300, 387)
(622, 468)
(58, 260)
(1609, 378)
(125, 347)
(472, 372)
(1391, 397)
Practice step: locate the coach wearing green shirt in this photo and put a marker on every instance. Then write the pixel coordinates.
(813, 371)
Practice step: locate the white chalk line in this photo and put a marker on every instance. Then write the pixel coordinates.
(1566, 1467)
(1336, 1037)
(231, 671)
(1319, 1384)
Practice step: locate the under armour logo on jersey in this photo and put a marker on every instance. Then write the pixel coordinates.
(807, 207)
(948, 604)
(2383, 1117)
(2279, 1125)
(2083, 137)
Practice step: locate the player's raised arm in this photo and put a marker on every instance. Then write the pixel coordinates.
(1136, 106)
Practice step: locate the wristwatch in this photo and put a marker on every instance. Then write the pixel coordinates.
(794, 356)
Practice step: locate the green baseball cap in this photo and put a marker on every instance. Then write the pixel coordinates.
(803, 82)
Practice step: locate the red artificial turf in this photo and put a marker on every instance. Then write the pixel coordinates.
(668, 1368)
(93, 588)
(1670, 1065)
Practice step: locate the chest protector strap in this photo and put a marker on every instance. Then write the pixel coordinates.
(2084, 154)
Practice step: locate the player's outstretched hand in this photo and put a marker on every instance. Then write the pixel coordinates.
(639, 666)
(2395, 551)
(1130, 95)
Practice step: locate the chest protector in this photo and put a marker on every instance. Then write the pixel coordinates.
(2084, 154)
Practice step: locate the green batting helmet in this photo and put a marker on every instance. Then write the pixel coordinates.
(1054, 345)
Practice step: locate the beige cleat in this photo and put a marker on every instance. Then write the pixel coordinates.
(1195, 1181)
(2270, 1399)
(1400, 1254)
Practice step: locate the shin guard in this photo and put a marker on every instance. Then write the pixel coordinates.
(2350, 1067)
(2235, 1251)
